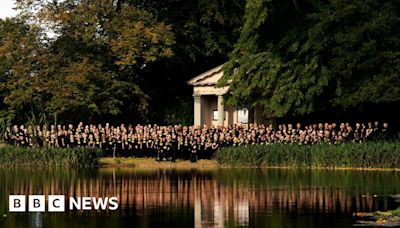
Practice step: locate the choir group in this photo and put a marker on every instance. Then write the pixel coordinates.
(188, 142)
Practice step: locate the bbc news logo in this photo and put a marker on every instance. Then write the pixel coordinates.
(57, 203)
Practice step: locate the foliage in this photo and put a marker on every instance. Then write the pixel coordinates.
(72, 60)
(89, 68)
(20, 63)
(181, 113)
(297, 57)
(368, 155)
(203, 28)
(11, 156)
(205, 32)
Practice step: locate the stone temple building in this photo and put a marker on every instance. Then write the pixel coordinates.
(209, 107)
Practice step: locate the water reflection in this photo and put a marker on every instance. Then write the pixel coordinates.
(36, 219)
(203, 198)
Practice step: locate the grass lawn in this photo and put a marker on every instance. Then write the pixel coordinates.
(151, 163)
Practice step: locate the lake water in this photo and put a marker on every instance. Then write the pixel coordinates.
(203, 198)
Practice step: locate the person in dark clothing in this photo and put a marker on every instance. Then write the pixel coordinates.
(193, 151)
(174, 147)
(385, 133)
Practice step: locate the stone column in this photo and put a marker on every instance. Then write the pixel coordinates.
(221, 110)
(197, 110)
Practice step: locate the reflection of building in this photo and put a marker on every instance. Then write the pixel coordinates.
(243, 213)
(213, 201)
(216, 213)
(208, 103)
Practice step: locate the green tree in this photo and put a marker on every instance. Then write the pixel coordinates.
(294, 58)
(98, 59)
(21, 59)
(91, 66)
(205, 32)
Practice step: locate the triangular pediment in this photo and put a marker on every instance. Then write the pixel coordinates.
(210, 77)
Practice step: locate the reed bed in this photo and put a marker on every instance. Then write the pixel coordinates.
(11, 156)
(384, 155)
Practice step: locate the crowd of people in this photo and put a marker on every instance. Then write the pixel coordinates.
(188, 142)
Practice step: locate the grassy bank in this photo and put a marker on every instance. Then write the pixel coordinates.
(11, 156)
(383, 155)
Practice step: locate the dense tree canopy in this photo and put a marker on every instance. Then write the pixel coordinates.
(89, 67)
(205, 32)
(298, 57)
(110, 58)
(21, 59)
(130, 59)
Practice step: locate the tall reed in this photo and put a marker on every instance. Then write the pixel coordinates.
(11, 156)
(368, 155)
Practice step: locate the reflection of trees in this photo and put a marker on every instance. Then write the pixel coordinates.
(211, 195)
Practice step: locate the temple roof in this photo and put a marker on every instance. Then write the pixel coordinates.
(209, 77)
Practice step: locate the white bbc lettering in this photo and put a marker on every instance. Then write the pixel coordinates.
(56, 203)
(86, 202)
(97, 203)
(75, 203)
(36, 203)
(93, 203)
(113, 203)
(16, 203)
